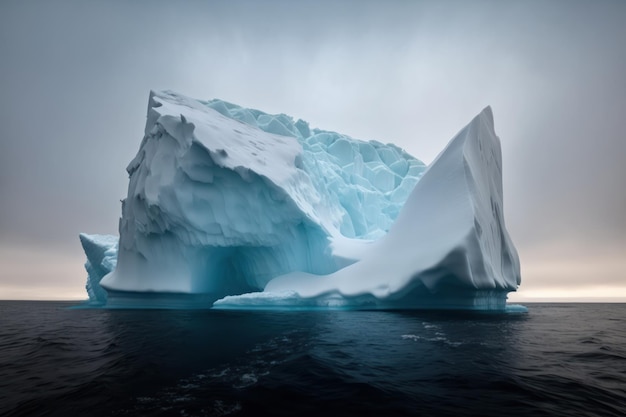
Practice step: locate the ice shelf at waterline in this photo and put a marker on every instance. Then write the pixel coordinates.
(234, 208)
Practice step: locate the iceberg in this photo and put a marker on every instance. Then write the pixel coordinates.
(234, 208)
(101, 252)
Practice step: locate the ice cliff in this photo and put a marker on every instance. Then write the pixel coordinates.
(254, 210)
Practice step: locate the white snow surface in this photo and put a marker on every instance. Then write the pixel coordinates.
(263, 211)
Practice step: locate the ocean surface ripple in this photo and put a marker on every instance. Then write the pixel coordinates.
(555, 360)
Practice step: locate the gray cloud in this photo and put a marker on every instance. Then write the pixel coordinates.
(75, 77)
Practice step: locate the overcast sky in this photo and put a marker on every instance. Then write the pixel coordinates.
(75, 78)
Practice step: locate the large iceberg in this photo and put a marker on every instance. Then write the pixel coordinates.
(236, 208)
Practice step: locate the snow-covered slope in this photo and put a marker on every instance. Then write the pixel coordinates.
(225, 201)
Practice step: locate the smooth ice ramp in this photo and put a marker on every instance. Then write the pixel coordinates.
(260, 211)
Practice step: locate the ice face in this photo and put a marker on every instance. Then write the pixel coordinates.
(224, 201)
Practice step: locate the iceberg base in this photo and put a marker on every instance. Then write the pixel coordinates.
(159, 300)
(418, 299)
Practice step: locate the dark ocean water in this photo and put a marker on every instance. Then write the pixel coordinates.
(555, 360)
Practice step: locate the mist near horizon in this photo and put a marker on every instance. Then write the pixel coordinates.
(76, 77)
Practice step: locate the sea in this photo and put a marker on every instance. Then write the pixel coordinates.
(554, 360)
